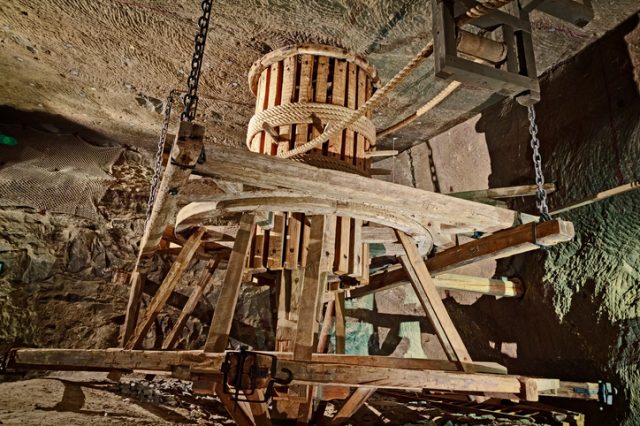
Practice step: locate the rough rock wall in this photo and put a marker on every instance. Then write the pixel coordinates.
(580, 316)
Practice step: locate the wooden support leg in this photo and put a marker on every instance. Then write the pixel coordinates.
(133, 306)
(340, 323)
(228, 298)
(353, 404)
(432, 303)
(166, 288)
(195, 296)
(239, 412)
(315, 279)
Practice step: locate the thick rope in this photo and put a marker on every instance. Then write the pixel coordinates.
(288, 114)
(334, 129)
(481, 9)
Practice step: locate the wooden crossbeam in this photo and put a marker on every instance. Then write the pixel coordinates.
(169, 283)
(233, 164)
(137, 281)
(228, 298)
(506, 192)
(195, 296)
(314, 372)
(184, 155)
(431, 302)
(501, 244)
(478, 285)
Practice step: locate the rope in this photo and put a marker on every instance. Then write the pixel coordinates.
(288, 114)
(433, 102)
(333, 129)
(481, 9)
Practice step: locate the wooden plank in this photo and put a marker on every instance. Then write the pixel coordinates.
(276, 242)
(353, 404)
(478, 285)
(226, 305)
(505, 192)
(599, 197)
(338, 97)
(507, 242)
(166, 288)
(136, 280)
(284, 331)
(503, 243)
(292, 245)
(320, 94)
(361, 99)
(378, 234)
(195, 296)
(355, 252)
(239, 412)
(325, 331)
(205, 363)
(235, 164)
(428, 296)
(185, 151)
(340, 323)
(315, 278)
(275, 93)
(259, 410)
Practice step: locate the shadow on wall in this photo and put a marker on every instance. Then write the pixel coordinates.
(582, 299)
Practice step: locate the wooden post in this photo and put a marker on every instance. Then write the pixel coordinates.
(352, 405)
(166, 288)
(340, 323)
(195, 296)
(432, 303)
(184, 155)
(136, 280)
(228, 298)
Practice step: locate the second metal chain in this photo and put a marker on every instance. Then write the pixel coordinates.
(541, 194)
(157, 170)
(191, 98)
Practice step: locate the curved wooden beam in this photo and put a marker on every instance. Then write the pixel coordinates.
(195, 214)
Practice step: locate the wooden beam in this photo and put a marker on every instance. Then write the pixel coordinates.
(184, 155)
(340, 323)
(195, 296)
(166, 288)
(198, 361)
(505, 192)
(352, 405)
(238, 411)
(234, 164)
(432, 303)
(488, 286)
(599, 197)
(136, 279)
(228, 298)
(505, 243)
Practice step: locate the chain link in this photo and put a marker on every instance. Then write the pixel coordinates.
(157, 170)
(191, 98)
(541, 194)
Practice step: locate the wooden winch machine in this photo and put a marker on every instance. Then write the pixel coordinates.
(307, 224)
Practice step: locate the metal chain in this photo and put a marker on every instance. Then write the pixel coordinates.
(157, 170)
(541, 194)
(191, 98)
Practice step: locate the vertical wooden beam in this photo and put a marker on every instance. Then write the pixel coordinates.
(340, 323)
(310, 301)
(353, 404)
(169, 283)
(432, 303)
(228, 298)
(136, 279)
(239, 411)
(195, 296)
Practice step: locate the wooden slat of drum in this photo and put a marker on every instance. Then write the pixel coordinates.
(343, 225)
(287, 96)
(360, 100)
(302, 136)
(369, 145)
(275, 90)
(320, 94)
(338, 96)
(352, 90)
(355, 255)
(261, 103)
